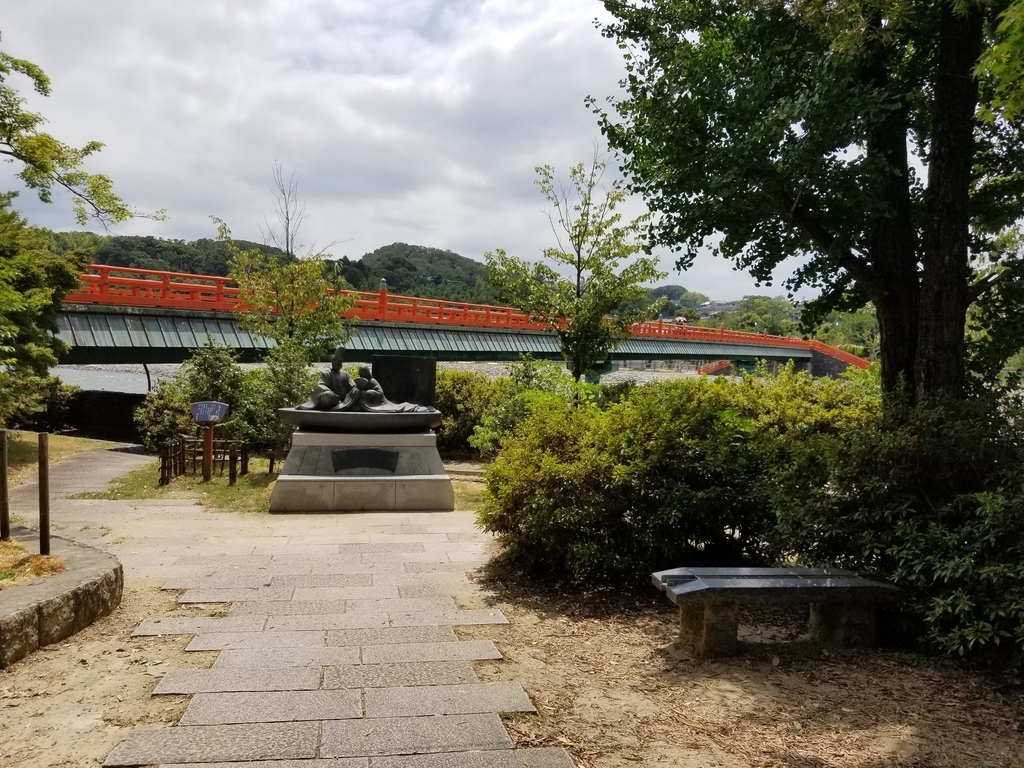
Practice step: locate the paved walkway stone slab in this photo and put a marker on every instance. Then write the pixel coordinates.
(328, 621)
(337, 762)
(413, 652)
(434, 590)
(435, 567)
(346, 593)
(412, 735)
(385, 547)
(547, 757)
(219, 641)
(447, 700)
(208, 595)
(394, 675)
(398, 558)
(326, 580)
(264, 658)
(212, 743)
(458, 618)
(287, 607)
(235, 581)
(184, 681)
(352, 568)
(272, 707)
(410, 605)
(392, 635)
(221, 560)
(400, 578)
(193, 626)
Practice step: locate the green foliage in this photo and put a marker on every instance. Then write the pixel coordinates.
(283, 381)
(854, 332)
(33, 280)
(211, 373)
(930, 500)
(760, 314)
(46, 162)
(463, 397)
(577, 308)
(288, 301)
(1003, 62)
(415, 270)
(40, 403)
(767, 131)
(672, 475)
(526, 379)
(165, 414)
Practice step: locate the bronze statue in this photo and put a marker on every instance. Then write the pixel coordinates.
(337, 391)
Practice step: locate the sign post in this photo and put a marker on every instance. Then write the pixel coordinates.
(207, 414)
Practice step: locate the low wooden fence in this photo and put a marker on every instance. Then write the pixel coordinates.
(184, 455)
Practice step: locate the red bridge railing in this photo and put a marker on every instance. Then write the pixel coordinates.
(127, 287)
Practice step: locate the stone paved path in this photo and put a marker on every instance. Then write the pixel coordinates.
(337, 649)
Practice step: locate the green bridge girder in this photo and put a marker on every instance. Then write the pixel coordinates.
(97, 335)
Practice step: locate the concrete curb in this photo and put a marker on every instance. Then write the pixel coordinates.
(50, 609)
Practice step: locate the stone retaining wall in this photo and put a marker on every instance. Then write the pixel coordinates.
(49, 609)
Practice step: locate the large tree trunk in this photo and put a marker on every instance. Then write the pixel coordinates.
(893, 284)
(939, 368)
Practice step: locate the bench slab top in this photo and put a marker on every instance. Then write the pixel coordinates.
(789, 584)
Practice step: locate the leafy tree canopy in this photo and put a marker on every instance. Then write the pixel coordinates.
(592, 242)
(767, 130)
(46, 162)
(290, 302)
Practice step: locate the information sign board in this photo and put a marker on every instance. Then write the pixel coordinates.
(209, 412)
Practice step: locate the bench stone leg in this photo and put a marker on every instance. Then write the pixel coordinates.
(843, 625)
(710, 627)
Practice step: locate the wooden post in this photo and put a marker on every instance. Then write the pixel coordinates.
(233, 465)
(208, 454)
(44, 493)
(5, 507)
(245, 459)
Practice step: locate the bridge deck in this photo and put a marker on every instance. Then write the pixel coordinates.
(99, 335)
(134, 315)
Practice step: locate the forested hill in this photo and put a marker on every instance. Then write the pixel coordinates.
(197, 257)
(410, 269)
(416, 270)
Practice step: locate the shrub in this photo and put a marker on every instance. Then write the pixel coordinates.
(930, 499)
(284, 381)
(211, 373)
(674, 474)
(40, 403)
(462, 398)
(509, 407)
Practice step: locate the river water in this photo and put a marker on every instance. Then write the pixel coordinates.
(132, 378)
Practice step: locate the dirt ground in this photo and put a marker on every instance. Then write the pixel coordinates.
(69, 704)
(612, 686)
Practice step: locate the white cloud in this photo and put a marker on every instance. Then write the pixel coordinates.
(409, 120)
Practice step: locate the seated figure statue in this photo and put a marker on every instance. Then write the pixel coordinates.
(337, 391)
(333, 387)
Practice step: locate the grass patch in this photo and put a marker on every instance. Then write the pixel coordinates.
(18, 564)
(251, 493)
(469, 494)
(23, 451)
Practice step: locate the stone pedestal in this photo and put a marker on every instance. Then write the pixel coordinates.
(843, 625)
(344, 472)
(709, 627)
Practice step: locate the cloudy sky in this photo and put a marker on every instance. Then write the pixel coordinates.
(418, 121)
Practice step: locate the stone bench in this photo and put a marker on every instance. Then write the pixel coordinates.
(842, 603)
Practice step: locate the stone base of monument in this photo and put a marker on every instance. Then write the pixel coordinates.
(344, 472)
